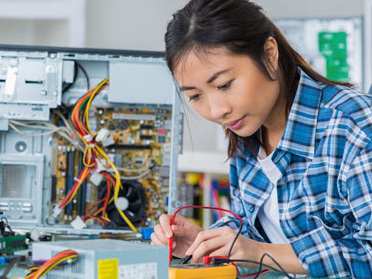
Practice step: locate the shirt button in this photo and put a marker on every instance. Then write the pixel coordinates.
(251, 208)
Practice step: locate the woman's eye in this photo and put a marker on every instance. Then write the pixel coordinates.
(194, 97)
(225, 86)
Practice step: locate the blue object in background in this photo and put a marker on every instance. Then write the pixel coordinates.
(146, 233)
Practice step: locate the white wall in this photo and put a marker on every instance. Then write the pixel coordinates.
(129, 24)
(140, 24)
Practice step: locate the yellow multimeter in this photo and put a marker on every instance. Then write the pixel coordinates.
(202, 271)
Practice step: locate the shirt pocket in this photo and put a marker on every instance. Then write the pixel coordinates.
(337, 231)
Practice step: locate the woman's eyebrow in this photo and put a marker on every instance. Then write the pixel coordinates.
(211, 79)
(216, 75)
(184, 88)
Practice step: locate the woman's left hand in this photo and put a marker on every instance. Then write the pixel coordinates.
(217, 242)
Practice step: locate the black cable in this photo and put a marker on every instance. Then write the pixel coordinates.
(237, 235)
(261, 264)
(223, 260)
(70, 84)
(85, 74)
(78, 65)
(277, 264)
(185, 259)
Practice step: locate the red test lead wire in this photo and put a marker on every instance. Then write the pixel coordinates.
(170, 240)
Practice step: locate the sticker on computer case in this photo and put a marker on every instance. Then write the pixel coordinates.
(138, 271)
(108, 269)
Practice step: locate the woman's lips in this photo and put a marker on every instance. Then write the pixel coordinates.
(235, 124)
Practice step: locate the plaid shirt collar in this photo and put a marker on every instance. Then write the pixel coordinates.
(304, 113)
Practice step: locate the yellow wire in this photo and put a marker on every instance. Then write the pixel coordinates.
(98, 87)
(118, 186)
(39, 273)
(77, 188)
(89, 151)
(53, 266)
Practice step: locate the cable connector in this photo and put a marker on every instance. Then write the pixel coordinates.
(56, 211)
(108, 141)
(207, 260)
(78, 223)
(102, 135)
(88, 138)
(96, 178)
(219, 261)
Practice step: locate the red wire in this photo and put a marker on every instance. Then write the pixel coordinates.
(54, 259)
(170, 240)
(77, 184)
(89, 207)
(109, 178)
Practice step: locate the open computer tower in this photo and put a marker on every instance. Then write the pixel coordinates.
(84, 133)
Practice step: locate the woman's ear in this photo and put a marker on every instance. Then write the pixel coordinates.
(271, 56)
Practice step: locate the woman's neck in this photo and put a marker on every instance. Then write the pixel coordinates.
(271, 135)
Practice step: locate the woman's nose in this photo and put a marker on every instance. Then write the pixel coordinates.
(219, 107)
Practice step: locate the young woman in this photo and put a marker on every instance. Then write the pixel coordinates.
(300, 145)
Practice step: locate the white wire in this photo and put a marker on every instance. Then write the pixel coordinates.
(136, 177)
(67, 123)
(51, 130)
(133, 170)
(38, 125)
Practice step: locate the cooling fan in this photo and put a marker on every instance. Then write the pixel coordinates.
(130, 201)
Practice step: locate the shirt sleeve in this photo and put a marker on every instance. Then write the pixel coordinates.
(324, 255)
(236, 202)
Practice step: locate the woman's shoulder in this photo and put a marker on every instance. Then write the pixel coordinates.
(349, 104)
(345, 118)
(345, 99)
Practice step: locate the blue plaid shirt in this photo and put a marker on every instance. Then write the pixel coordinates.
(325, 192)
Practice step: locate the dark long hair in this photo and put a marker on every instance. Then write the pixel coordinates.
(241, 27)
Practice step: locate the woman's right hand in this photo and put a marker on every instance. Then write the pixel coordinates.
(183, 231)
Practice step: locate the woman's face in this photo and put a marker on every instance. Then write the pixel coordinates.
(229, 90)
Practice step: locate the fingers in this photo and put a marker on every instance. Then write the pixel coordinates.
(203, 236)
(212, 242)
(165, 221)
(183, 232)
(160, 236)
(206, 248)
(155, 240)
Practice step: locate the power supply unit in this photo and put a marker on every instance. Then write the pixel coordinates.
(106, 259)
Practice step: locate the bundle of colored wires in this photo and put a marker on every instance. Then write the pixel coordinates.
(83, 175)
(103, 219)
(5, 222)
(93, 152)
(61, 259)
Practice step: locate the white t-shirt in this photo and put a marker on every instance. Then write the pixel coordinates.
(269, 212)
